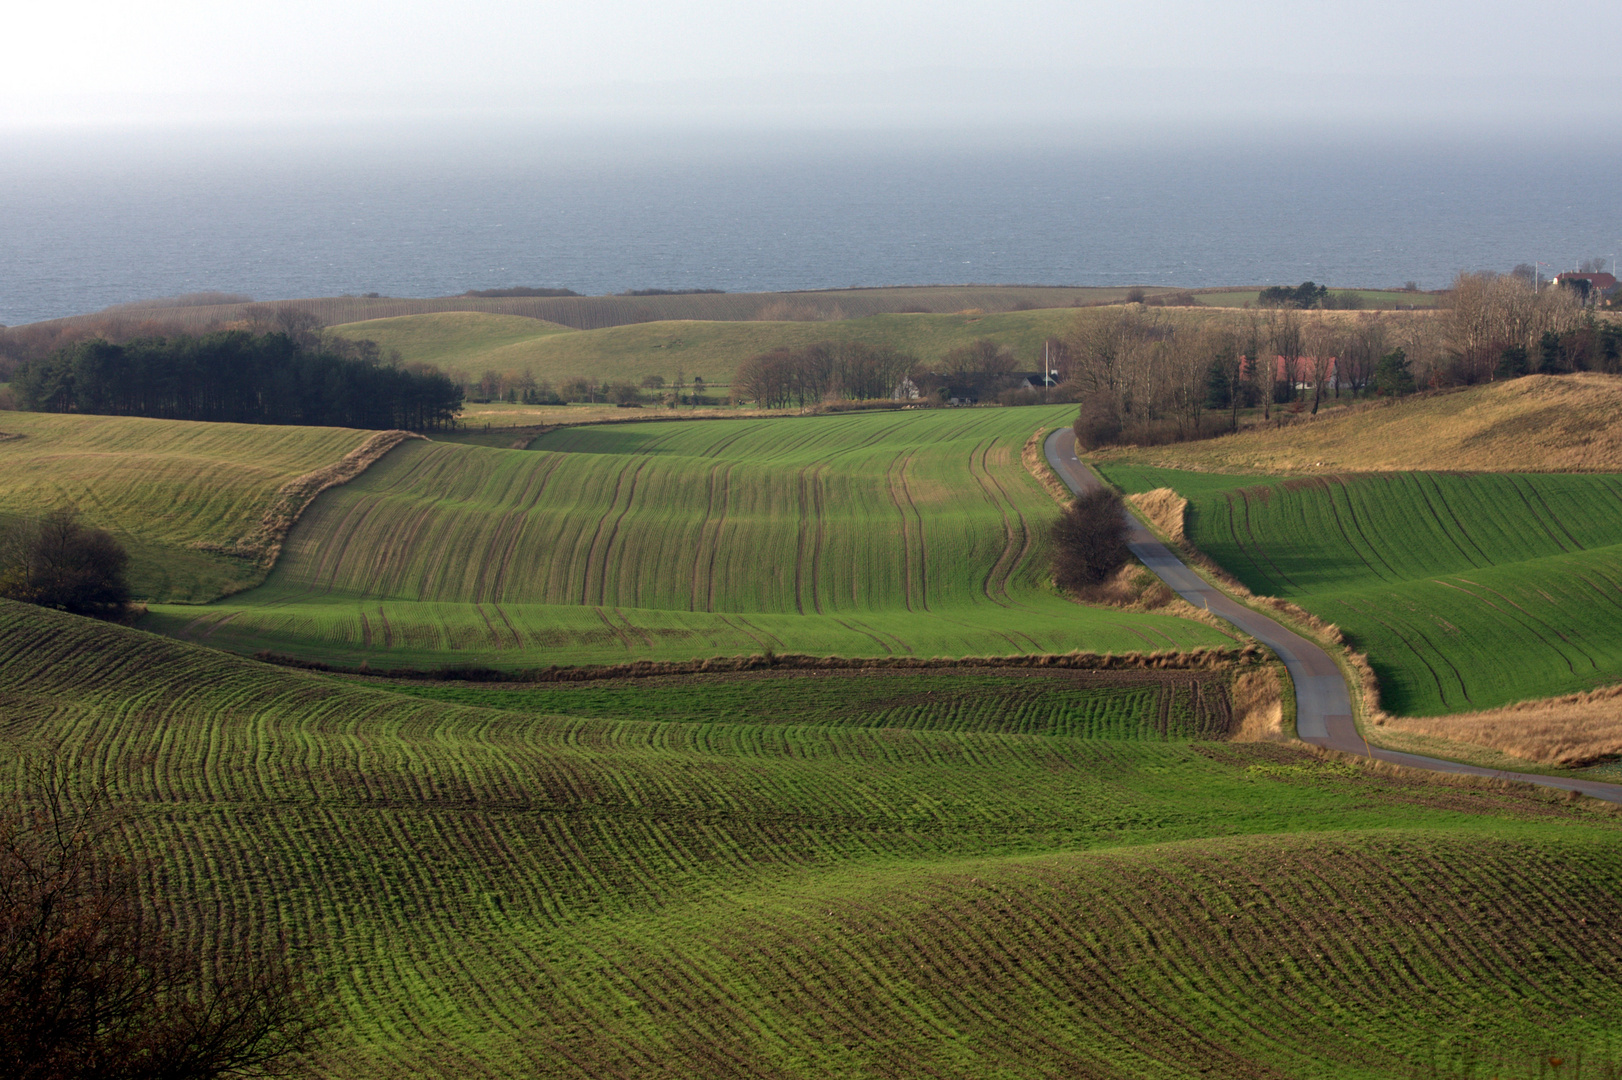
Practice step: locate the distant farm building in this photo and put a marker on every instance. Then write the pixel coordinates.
(1306, 368)
(1592, 286)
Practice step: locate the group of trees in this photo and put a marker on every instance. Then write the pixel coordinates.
(808, 375)
(852, 371)
(59, 562)
(1497, 326)
(244, 377)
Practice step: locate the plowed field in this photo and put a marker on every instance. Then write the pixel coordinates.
(915, 533)
(500, 893)
(1467, 591)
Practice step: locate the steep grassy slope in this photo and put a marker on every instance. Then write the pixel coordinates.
(913, 533)
(493, 893)
(1542, 423)
(712, 350)
(168, 489)
(1466, 591)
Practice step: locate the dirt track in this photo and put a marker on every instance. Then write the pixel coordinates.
(1323, 703)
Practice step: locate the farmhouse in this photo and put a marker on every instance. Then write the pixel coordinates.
(1589, 287)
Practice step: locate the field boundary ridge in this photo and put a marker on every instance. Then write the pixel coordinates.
(1194, 660)
(264, 544)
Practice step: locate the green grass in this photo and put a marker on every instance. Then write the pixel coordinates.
(1079, 704)
(473, 343)
(450, 338)
(911, 533)
(1467, 591)
(166, 489)
(488, 892)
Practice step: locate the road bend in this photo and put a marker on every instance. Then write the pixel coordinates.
(1323, 704)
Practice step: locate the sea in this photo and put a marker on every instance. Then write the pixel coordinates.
(91, 219)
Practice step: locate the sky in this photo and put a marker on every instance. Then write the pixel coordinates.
(94, 64)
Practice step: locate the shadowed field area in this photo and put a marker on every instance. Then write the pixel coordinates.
(551, 889)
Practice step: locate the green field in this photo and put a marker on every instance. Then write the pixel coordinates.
(497, 892)
(897, 533)
(169, 490)
(1466, 591)
(1076, 704)
(471, 343)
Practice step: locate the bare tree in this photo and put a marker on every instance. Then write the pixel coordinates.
(91, 987)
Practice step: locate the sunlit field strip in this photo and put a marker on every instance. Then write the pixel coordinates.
(1467, 591)
(879, 534)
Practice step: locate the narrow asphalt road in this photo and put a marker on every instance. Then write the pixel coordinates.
(1323, 705)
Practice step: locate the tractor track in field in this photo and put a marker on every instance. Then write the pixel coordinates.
(997, 577)
(512, 526)
(1323, 702)
(1344, 535)
(923, 541)
(895, 474)
(704, 539)
(1458, 525)
(613, 531)
(1586, 654)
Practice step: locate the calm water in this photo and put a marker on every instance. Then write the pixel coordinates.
(82, 227)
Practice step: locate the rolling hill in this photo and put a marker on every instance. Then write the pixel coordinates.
(896, 533)
(471, 343)
(509, 892)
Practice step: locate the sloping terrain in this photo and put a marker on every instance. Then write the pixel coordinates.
(177, 494)
(491, 892)
(473, 343)
(912, 533)
(1541, 423)
(1466, 591)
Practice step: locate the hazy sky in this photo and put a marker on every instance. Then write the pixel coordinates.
(845, 62)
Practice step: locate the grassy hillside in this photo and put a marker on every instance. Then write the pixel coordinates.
(914, 533)
(1542, 423)
(1466, 591)
(490, 892)
(712, 350)
(168, 489)
(450, 338)
(594, 312)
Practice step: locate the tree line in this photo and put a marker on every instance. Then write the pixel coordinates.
(1145, 376)
(239, 376)
(853, 371)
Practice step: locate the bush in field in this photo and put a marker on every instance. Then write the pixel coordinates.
(90, 986)
(60, 563)
(1089, 541)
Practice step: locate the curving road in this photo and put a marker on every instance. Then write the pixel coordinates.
(1323, 713)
